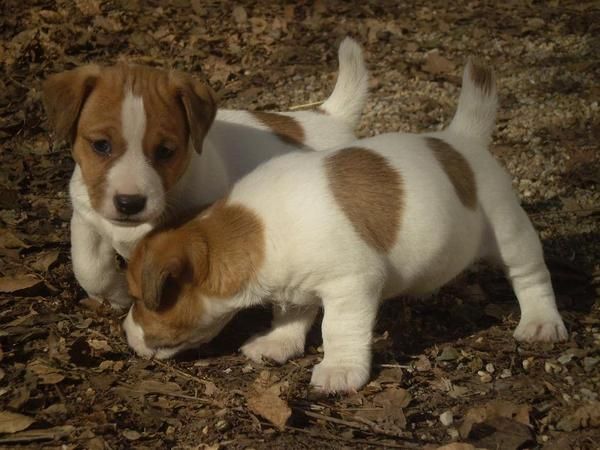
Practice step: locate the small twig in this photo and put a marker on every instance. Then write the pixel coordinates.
(206, 401)
(334, 420)
(333, 437)
(394, 366)
(306, 105)
(181, 372)
(565, 211)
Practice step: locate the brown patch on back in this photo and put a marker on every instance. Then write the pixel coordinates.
(86, 104)
(369, 191)
(482, 76)
(286, 128)
(457, 169)
(214, 255)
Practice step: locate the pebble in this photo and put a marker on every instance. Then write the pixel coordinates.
(526, 364)
(552, 367)
(565, 359)
(489, 367)
(448, 354)
(506, 373)
(453, 432)
(484, 376)
(446, 418)
(589, 362)
(222, 425)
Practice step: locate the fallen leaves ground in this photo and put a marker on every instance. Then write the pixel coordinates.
(445, 368)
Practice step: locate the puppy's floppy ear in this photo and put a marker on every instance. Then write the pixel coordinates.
(156, 273)
(200, 104)
(64, 94)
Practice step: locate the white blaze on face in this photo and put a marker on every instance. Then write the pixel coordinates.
(132, 173)
(135, 337)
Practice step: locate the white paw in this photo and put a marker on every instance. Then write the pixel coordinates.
(275, 346)
(541, 328)
(330, 377)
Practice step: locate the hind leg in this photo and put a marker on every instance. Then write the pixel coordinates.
(519, 250)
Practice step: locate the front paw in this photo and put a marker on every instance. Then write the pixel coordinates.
(118, 303)
(275, 346)
(541, 328)
(332, 377)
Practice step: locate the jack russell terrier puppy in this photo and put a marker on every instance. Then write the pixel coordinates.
(395, 214)
(146, 147)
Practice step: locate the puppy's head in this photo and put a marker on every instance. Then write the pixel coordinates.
(170, 312)
(186, 281)
(132, 130)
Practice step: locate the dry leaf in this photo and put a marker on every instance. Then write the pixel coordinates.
(11, 422)
(457, 446)
(437, 64)
(89, 7)
(268, 404)
(45, 373)
(9, 240)
(158, 387)
(100, 345)
(45, 260)
(494, 409)
(585, 416)
(20, 284)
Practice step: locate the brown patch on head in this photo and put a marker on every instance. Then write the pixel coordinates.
(286, 128)
(482, 76)
(457, 169)
(369, 191)
(214, 255)
(85, 105)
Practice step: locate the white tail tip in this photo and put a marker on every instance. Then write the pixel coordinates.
(349, 95)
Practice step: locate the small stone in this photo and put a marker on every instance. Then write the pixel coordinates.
(489, 367)
(588, 394)
(222, 425)
(131, 435)
(589, 362)
(422, 364)
(104, 365)
(526, 364)
(506, 373)
(453, 432)
(247, 368)
(552, 367)
(484, 376)
(239, 14)
(446, 418)
(448, 354)
(565, 358)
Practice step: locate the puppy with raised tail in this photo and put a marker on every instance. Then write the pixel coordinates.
(150, 143)
(343, 229)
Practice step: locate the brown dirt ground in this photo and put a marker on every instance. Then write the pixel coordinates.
(64, 366)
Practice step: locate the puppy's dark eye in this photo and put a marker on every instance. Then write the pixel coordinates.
(102, 146)
(163, 153)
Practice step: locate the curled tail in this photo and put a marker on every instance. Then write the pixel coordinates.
(475, 116)
(349, 95)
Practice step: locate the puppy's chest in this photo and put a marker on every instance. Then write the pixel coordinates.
(293, 297)
(123, 240)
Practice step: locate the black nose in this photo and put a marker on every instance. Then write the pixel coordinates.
(129, 204)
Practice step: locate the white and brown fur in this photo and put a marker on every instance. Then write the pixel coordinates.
(343, 229)
(170, 149)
